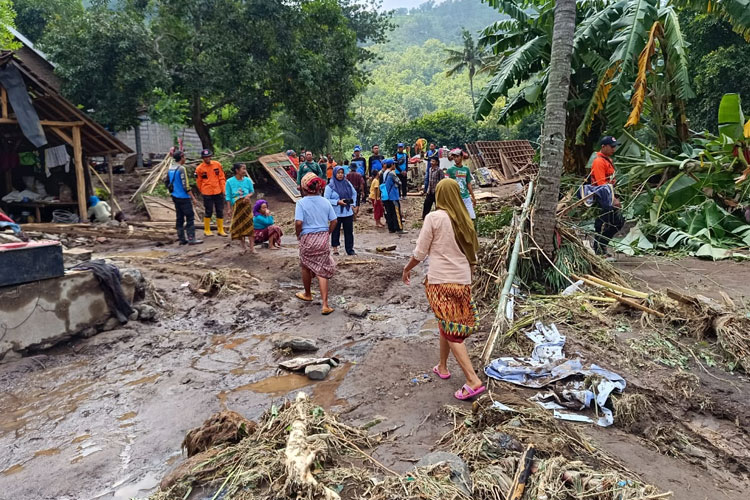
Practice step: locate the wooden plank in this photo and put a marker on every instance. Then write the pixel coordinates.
(65, 137)
(108, 158)
(275, 165)
(80, 177)
(4, 101)
(46, 123)
(159, 210)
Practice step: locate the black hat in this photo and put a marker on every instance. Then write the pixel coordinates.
(206, 152)
(608, 140)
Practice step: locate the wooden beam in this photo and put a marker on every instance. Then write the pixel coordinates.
(80, 176)
(45, 123)
(65, 137)
(108, 158)
(4, 101)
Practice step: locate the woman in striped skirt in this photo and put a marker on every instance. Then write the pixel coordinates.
(314, 220)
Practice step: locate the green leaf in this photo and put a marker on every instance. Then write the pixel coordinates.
(677, 55)
(731, 118)
(713, 253)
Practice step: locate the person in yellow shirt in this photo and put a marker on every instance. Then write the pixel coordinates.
(377, 203)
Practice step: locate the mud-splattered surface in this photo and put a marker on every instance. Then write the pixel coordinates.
(104, 417)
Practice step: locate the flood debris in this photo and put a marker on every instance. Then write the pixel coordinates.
(573, 385)
(303, 451)
(223, 427)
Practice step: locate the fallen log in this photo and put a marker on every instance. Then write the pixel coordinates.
(301, 453)
(97, 230)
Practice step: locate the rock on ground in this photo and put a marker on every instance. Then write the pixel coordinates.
(317, 372)
(459, 474)
(293, 342)
(146, 312)
(357, 309)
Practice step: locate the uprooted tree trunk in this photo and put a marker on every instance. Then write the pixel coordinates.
(301, 452)
(553, 132)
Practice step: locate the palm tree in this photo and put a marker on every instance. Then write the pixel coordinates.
(470, 57)
(553, 131)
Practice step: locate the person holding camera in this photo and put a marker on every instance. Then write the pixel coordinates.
(343, 197)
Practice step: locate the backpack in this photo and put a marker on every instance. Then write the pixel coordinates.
(169, 181)
(384, 189)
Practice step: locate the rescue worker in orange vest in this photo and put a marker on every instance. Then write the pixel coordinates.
(211, 181)
(610, 220)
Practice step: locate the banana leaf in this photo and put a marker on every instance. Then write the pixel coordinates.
(731, 118)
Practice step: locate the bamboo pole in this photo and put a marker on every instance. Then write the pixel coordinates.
(4, 101)
(632, 303)
(617, 288)
(499, 323)
(80, 177)
(110, 174)
(104, 184)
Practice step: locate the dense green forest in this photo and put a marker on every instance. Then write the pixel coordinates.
(329, 74)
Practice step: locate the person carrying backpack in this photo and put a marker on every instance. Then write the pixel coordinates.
(179, 187)
(389, 192)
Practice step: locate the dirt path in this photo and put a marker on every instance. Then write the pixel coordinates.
(104, 417)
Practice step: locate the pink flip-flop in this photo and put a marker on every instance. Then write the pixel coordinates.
(469, 392)
(441, 375)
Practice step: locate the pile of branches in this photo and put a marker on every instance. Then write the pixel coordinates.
(300, 451)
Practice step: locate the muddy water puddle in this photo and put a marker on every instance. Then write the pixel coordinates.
(127, 416)
(47, 453)
(323, 392)
(45, 405)
(13, 469)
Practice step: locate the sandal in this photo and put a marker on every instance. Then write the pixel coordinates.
(326, 311)
(441, 375)
(466, 392)
(302, 296)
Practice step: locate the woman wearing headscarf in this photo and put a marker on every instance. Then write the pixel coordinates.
(265, 229)
(239, 190)
(343, 197)
(449, 239)
(314, 221)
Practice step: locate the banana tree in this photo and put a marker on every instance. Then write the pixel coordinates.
(618, 44)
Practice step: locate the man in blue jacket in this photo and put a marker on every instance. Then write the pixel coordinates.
(392, 183)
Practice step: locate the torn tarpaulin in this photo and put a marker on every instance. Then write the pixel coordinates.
(548, 365)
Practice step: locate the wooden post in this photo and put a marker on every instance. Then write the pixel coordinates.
(80, 175)
(4, 101)
(111, 179)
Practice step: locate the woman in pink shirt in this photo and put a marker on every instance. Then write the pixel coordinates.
(449, 239)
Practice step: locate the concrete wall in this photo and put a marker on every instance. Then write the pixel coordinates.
(45, 312)
(157, 138)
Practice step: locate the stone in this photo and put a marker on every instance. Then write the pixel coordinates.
(377, 317)
(74, 256)
(317, 372)
(357, 309)
(133, 316)
(110, 324)
(146, 312)
(388, 248)
(102, 239)
(459, 471)
(88, 332)
(295, 343)
(135, 276)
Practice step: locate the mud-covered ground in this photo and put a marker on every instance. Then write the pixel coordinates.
(104, 417)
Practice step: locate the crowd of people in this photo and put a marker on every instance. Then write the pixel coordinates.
(331, 197)
(251, 224)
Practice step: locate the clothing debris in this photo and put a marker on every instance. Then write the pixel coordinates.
(109, 278)
(55, 157)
